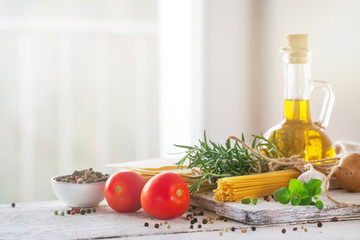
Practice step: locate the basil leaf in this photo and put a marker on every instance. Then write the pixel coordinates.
(312, 186)
(254, 201)
(282, 195)
(305, 201)
(319, 204)
(246, 201)
(295, 200)
(318, 191)
(295, 186)
(303, 193)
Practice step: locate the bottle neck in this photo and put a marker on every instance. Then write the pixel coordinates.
(298, 84)
(297, 110)
(297, 91)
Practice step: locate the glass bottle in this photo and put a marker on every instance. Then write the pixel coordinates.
(297, 133)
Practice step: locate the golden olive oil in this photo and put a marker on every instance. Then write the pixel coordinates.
(298, 134)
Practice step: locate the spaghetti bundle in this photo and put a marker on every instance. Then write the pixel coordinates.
(151, 167)
(231, 189)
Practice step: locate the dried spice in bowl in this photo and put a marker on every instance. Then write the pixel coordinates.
(83, 176)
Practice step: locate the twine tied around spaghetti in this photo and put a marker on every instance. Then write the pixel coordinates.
(327, 166)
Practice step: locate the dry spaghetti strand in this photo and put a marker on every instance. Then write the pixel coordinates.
(231, 189)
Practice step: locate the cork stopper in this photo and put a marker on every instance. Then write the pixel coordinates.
(297, 44)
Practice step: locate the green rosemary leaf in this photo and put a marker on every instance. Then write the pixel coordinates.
(184, 146)
(228, 144)
(253, 142)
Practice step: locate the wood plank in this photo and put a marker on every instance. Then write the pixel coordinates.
(276, 213)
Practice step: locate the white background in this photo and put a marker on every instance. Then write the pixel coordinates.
(85, 83)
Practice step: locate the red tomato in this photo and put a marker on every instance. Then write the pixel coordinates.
(123, 190)
(165, 196)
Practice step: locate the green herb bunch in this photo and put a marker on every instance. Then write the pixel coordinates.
(300, 193)
(216, 161)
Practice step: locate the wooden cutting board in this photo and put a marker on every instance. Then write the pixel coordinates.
(270, 213)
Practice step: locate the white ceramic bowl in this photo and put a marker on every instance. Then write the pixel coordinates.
(79, 194)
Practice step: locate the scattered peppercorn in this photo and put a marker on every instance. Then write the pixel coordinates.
(253, 228)
(193, 207)
(283, 230)
(68, 211)
(168, 226)
(334, 219)
(204, 221)
(56, 212)
(319, 224)
(268, 199)
(195, 220)
(165, 222)
(226, 229)
(195, 213)
(243, 230)
(305, 229)
(225, 220)
(82, 211)
(201, 213)
(295, 229)
(73, 212)
(192, 221)
(191, 226)
(190, 210)
(88, 210)
(62, 213)
(199, 226)
(233, 229)
(161, 223)
(221, 217)
(13, 205)
(94, 210)
(220, 234)
(302, 227)
(146, 224)
(156, 225)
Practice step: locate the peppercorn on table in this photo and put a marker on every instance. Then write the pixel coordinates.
(37, 220)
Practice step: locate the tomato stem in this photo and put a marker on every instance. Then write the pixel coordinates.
(179, 192)
(117, 189)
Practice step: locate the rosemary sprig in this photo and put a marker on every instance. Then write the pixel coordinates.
(215, 161)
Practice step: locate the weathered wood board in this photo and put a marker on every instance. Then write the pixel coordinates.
(37, 221)
(276, 213)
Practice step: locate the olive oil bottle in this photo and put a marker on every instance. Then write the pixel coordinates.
(297, 133)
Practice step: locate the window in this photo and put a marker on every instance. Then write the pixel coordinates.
(79, 88)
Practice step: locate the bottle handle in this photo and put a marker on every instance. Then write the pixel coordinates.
(327, 104)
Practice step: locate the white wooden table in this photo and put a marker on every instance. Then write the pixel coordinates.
(37, 221)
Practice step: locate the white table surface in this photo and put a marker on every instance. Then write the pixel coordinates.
(37, 221)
